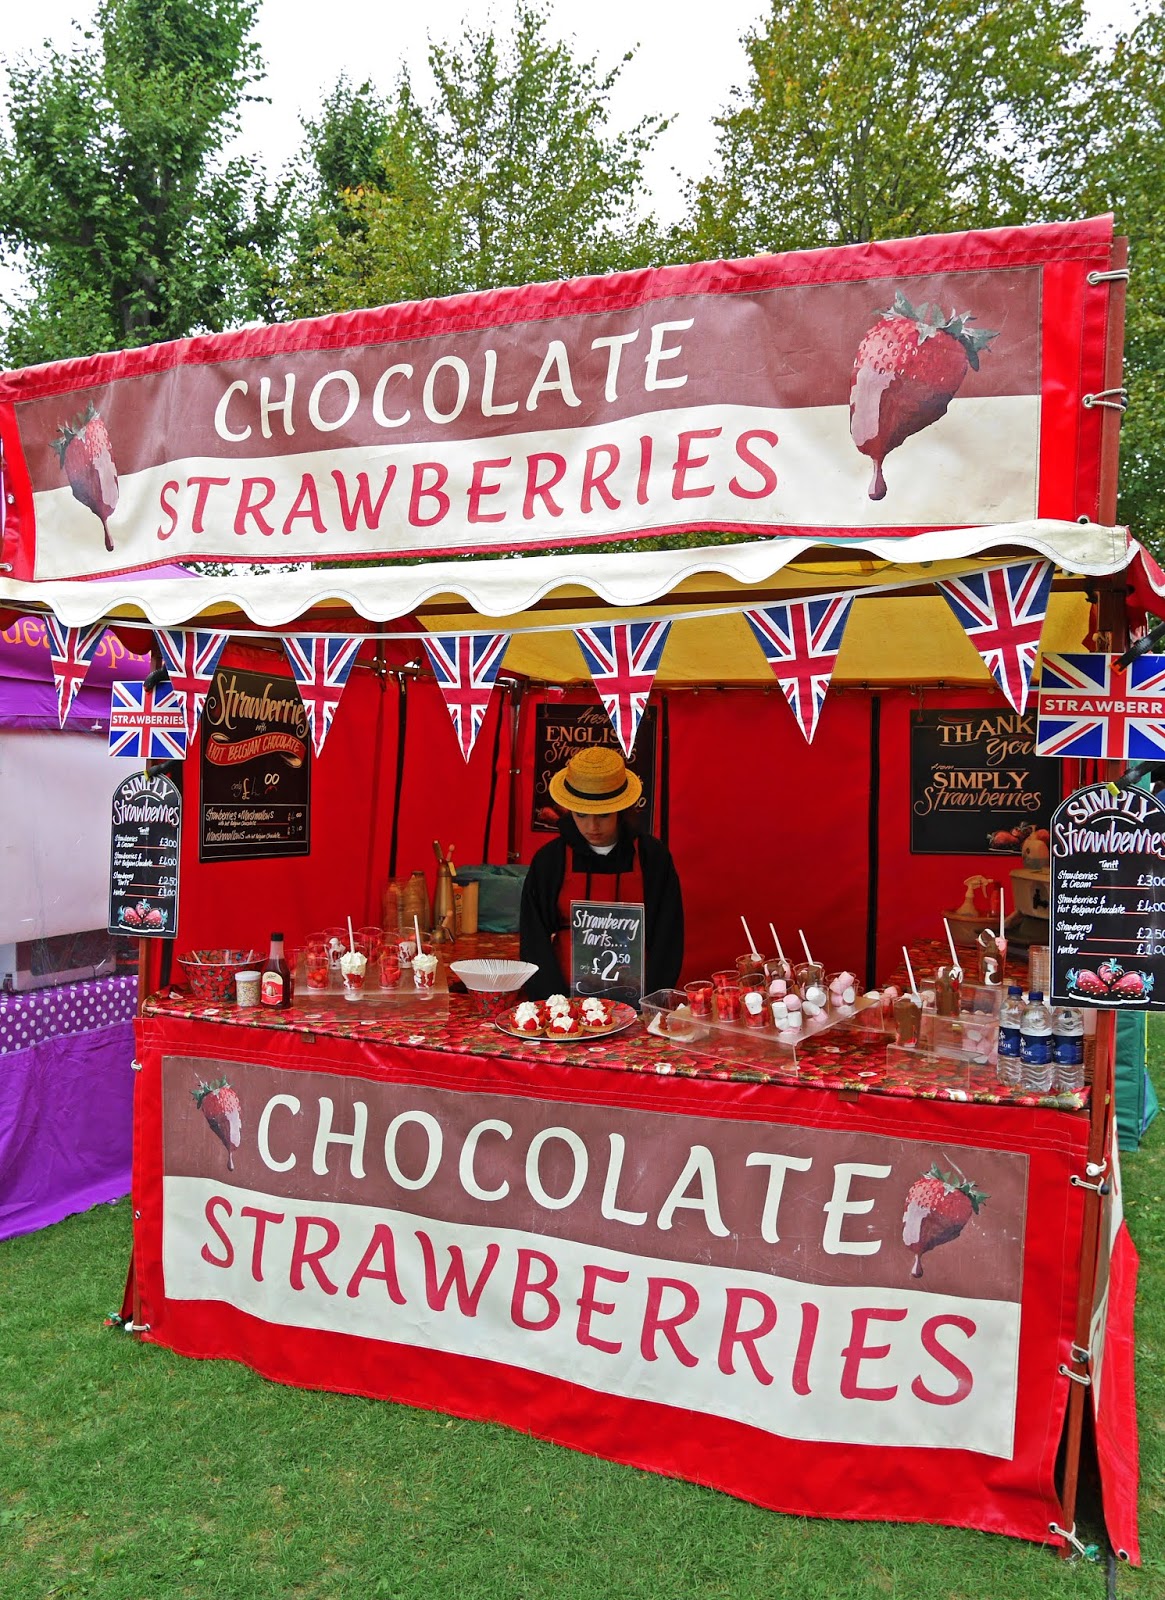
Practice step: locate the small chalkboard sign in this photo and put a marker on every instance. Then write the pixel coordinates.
(606, 949)
(1108, 900)
(143, 866)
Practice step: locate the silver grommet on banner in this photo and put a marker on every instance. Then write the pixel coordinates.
(136, 1065)
(1117, 275)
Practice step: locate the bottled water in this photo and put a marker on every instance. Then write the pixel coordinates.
(1010, 1017)
(1068, 1048)
(1037, 1066)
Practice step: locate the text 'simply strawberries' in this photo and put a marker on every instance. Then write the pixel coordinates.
(938, 1208)
(908, 369)
(220, 1105)
(86, 459)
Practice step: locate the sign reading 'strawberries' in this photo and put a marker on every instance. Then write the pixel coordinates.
(143, 868)
(1108, 899)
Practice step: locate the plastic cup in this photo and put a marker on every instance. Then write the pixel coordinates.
(755, 1005)
(726, 978)
(353, 972)
(424, 970)
(726, 999)
(948, 990)
(780, 973)
(752, 962)
(699, 995)
(389, 966)
(907, 1016)
(1039, 969)
(369, 941)
(406, 949)
(316, 963)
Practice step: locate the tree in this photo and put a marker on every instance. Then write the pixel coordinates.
(111, 193)
(1124, 172)
(866, 119)
(508, 174)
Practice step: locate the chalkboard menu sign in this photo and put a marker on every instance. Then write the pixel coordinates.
(1108, 899)
(143, 865)
(255, 769)
(559, 731)
(976, 785)
(606, 949)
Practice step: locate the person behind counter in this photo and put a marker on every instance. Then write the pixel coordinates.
(599, 856)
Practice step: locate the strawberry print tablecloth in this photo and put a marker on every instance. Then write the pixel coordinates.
(846, 1058)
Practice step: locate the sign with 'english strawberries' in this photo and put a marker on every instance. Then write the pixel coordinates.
(890, 388)
(1108, 899)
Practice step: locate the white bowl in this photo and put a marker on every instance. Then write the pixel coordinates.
(492, 976)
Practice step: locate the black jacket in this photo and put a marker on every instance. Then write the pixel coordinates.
(664, 911)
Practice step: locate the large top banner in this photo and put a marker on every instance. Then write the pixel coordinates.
(895, 387)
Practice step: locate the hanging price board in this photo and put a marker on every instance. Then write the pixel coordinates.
(143, 866)
(1108, 899)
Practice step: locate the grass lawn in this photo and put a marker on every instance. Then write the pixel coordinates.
(127, 1473)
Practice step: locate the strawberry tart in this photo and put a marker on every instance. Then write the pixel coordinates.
(528, 1018)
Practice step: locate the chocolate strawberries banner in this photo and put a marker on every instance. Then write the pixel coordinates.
(890, 387)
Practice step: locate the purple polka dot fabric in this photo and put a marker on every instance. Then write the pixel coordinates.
(28, 1019)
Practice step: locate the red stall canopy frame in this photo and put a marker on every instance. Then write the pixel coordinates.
(546, 422)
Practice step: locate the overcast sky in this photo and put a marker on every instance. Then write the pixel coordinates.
(686, 64)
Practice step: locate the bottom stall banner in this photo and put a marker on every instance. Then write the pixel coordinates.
(851, 1306)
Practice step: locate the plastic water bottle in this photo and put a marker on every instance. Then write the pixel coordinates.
(1068, 1048)
(1037, 1065)
(1010, 1017)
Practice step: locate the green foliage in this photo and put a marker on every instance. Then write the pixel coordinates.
(508, 174)
(109, 189)
(866, 119)
(1123, 170)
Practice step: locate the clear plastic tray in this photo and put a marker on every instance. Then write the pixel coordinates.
(739, 1041)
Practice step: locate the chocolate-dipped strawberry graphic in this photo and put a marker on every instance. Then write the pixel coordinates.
(220, 1105)
(83, 450)
(938, 1208)
(1111, 984)
(908, 369)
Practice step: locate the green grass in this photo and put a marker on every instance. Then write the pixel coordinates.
(127, 1473)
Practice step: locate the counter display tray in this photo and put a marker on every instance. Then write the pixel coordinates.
(739, 1041)
(622, 1017)
(399, 995)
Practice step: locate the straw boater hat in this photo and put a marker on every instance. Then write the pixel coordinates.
(595, 780)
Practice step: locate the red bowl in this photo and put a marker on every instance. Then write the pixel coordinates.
(211, 973)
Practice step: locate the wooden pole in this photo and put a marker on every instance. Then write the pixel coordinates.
(1112, 630)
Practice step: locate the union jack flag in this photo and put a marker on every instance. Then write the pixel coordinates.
(321, 666)
(466, 666)
(147, 724)
(1002, 613)
(190, 660)
(801, 640)
(623, 658)
(1088, 707)
(72, 649)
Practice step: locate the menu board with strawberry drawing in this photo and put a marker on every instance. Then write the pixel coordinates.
(1108, 899)
(143, 867)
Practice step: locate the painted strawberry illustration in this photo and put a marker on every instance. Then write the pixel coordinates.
(220, 1105)
(83, 450)
(1108, 972)
(908, 369)
(1133, 985)
(1086, 982)
(938, 1208)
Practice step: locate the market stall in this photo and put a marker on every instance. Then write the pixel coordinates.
(419, 1208)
